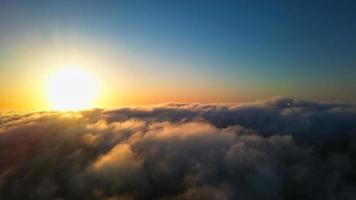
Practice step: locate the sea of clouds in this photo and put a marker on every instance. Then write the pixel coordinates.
(279, 148)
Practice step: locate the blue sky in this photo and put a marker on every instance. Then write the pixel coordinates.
(249, 49)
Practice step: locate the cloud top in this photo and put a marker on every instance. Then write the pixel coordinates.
(280, 148)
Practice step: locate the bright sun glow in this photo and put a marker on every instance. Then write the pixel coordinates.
(71, 89)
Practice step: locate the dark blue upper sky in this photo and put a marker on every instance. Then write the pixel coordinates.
(300, 48)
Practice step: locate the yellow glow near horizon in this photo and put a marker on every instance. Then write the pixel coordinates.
(71, 89)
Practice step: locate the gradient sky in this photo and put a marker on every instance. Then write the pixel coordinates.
(145, 52)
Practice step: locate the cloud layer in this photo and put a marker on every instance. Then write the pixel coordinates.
(279, 148)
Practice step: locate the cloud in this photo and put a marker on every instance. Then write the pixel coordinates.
(280, 148)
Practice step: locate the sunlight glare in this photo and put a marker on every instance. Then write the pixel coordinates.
(71, 89)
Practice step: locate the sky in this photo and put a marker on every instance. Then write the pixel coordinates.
(176, 100)
(149, 52)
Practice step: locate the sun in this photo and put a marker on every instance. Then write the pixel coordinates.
(71, 89)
